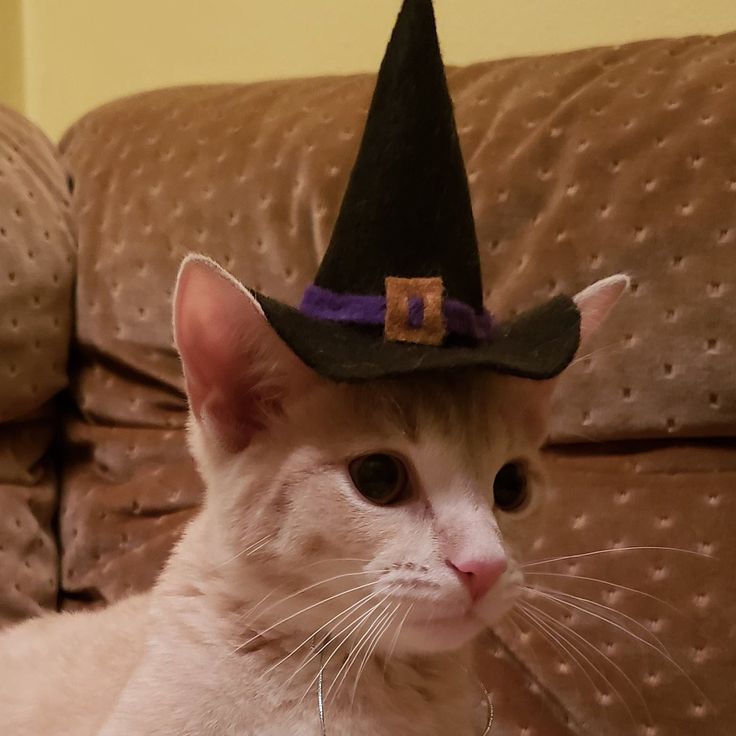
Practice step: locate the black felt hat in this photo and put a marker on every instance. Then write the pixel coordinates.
(399, 289)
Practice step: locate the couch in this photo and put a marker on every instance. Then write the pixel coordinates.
(581, 165)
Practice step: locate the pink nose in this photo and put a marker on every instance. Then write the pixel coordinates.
(479, 575)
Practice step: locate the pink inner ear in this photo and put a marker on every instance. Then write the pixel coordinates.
(596, 302)
(223, 340)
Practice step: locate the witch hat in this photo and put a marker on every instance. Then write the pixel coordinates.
(399, 289)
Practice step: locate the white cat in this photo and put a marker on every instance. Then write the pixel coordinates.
(346, 528)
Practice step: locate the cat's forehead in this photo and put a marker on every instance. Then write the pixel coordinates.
(464, 406)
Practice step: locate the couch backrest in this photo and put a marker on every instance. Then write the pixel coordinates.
(36, 271)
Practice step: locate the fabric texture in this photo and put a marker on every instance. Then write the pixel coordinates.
(36, 270)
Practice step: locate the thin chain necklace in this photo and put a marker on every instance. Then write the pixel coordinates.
(321, 699)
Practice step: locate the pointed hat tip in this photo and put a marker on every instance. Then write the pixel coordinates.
(411, 10)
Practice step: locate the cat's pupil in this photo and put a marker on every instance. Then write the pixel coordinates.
(510, 487)
(381, 478)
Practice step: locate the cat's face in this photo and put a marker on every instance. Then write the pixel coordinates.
(386, 491)
(381, 513)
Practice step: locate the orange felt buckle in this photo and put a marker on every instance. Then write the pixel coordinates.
(397, 326)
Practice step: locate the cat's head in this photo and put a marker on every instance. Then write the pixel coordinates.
(386, 510)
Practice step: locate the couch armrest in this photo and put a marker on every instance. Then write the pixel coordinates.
(36, 269)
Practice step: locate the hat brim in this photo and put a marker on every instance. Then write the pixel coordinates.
(538, 344)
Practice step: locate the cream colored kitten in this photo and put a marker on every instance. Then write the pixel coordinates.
(348, 527)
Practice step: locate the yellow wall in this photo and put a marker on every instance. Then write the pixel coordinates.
(11, 54)
(80, 53)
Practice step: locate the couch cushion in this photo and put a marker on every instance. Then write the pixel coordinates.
(36, 266)
(667, 511)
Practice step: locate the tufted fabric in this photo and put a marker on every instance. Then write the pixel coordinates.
(678, 598)
(581, 165)
(36, 263)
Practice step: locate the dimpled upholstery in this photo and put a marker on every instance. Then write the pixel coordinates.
(627, 495)
(36, 263)
(581, 165)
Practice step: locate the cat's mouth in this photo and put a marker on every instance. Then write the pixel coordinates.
(443, 620)
(441, 629)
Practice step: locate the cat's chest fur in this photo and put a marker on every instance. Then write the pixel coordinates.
(202, 690)
(202, 673)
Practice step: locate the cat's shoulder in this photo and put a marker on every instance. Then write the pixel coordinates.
(37, 630)
(56, 657)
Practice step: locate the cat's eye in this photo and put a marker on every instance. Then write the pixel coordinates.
(510, 487)
(381, 478)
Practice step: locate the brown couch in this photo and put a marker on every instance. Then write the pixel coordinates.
(581, 165)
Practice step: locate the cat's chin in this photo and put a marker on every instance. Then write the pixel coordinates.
(434, 634)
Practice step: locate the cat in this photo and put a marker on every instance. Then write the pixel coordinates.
(346, 527)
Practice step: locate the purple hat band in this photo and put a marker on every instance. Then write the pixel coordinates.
(361, 309)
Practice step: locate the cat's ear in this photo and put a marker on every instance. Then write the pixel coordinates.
(238, 372)
(595, 303)
(531, 399)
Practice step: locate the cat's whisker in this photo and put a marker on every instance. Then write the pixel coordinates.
(247, 614)
(247, 551)
(253, 549)
(306, 589)
(512, 620)
(332, 635)
(396, 638)
(355, 650)
(251, 610)
(590, 354)
(615, 549)
(563, 642)
(554, 595)
(301, 611)
(336, 620)
(556, 622)
(353, 627)
(613, 585)
(338, 639)
(374, 645)
(366, 643)
(662, 653)
(336, 559)
(353, 654)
